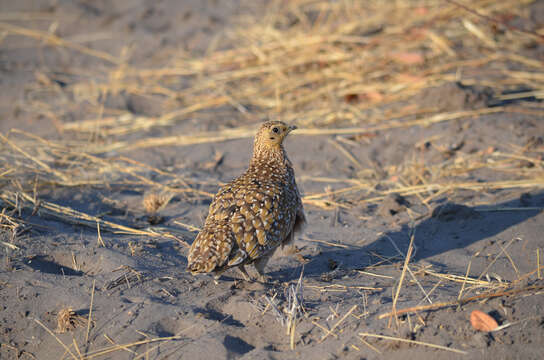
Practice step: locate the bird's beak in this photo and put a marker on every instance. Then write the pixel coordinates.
(291, 128)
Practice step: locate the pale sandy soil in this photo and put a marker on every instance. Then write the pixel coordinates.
(471, 185)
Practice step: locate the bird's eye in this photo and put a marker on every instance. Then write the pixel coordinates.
(276, 130)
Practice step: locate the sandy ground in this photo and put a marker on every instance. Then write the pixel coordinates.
(469, 241)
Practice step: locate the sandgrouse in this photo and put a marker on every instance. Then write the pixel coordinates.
(253, 214)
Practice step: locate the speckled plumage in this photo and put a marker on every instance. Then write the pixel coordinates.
(253, 214)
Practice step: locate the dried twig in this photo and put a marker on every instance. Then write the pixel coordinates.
(463, 301)
(414, 342)
(331, 331)
(90, 314)
(56, 338)
(403, 273)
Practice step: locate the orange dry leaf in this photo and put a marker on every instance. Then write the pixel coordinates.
(409, 58)
(482, 322)
(373, 96)
(421, 10)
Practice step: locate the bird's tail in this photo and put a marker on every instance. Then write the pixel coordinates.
(210, 250)
(196, 267)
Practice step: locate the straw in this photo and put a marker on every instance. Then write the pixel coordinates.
(414, 342)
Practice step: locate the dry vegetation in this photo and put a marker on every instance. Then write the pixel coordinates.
(313, 63)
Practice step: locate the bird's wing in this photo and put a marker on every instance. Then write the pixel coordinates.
(260, 216)
(211, 248)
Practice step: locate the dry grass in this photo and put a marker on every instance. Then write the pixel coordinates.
(414, 342)
(487, 295)
(302, 61)
(314, 63)
(288, 312)
(402, 276)
(113, 348)
(154, 202)
(19, 200)
(68, 320)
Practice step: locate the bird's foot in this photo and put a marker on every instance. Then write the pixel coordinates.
(265, 279)
(244, 273)
(217, 275)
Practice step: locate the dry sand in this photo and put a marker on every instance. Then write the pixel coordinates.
(420, 156)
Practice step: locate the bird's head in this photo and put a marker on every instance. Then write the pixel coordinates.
(272, 133)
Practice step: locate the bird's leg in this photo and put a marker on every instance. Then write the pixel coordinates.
(244, 273)
(217, 275)
(260, 264)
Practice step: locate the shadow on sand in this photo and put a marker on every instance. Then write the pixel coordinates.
(450, 226)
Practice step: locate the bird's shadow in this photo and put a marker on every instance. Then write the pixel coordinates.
(450, 226)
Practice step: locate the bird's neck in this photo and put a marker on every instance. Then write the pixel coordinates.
(271, 155)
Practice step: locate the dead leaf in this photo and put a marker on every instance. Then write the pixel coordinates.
(351, 98)
(421, 10)
(373, 96)
(482, 322)
(409, 58)
(370, 96)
